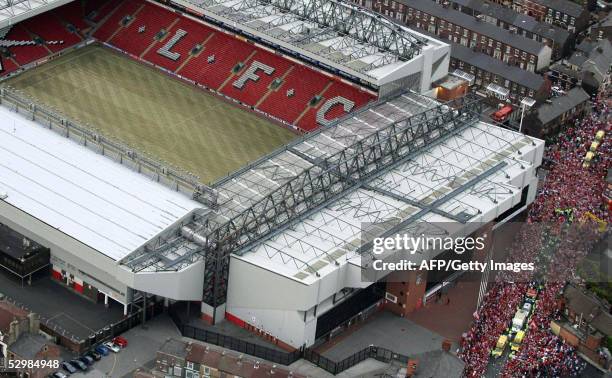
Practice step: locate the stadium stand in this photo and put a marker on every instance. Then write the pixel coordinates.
(195, 34)
(112, 22)
(252, 82)
(49, 28)
(97, 10)
(231, 65)
(24, 54)
(8, 65)
(334, 93)
(72, 13)
(141, 32)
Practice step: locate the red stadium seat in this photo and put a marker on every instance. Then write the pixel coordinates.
(252, 91)
(222, 62)
(196, 34)
(359, 98)
(292, 97)
(8, 66)
(49, 28)
(112, 23)
(141, 32)
(72, 13)
(24, 54)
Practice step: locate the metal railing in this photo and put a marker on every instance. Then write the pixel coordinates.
(285, 357)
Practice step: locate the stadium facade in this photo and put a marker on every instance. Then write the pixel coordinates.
(276, 246)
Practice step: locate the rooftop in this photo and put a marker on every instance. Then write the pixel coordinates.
(565, 6)
(517, 19)
(14, 11)
(85, 195)
(487, 63)
(338, 34)
(558, 105)
(474, 24)
(439, 184)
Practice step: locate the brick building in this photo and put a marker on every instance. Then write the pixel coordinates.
(191, 360)
(558, 39)
(588, 67)
(549, 116)
(487, 70)
(563, 13)
(460, 28)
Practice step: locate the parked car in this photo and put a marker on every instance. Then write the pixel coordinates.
(104, 351)
(121, 341)
(58, 374)
(79, 365)
(87, 360)
(68, 367)
(112, 347)
(94, 355)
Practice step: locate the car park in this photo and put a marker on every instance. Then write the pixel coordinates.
(68, 367)
(113, 347)
(102, 350)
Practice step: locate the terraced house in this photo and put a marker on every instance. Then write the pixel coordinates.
(466, 30)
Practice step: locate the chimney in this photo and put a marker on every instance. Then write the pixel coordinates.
(34, 320)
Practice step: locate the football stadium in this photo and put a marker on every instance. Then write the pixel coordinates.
(227, 153)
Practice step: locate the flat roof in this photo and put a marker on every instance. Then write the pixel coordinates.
(85, 195)
(329, 237)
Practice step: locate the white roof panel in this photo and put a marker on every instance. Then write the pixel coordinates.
(87, 196)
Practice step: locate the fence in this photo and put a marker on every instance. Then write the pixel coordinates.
(80, 345)
(90, 138)
(335, 367)
(282, 357)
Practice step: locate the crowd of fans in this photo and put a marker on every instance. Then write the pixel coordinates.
(569, 191)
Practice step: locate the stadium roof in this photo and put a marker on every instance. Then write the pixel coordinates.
(14, 11)
(462, 179)
(85, 195)
(336, 33)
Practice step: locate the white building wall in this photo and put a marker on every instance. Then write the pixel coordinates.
(67, 252)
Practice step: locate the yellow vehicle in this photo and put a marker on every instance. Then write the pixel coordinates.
(594, 146)
(600, 135)
(587, 159)
(516, 342)
(602, 224)
(501, 345)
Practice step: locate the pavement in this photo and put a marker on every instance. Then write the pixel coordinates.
(389, 331)
(59, 307)
(140, 353)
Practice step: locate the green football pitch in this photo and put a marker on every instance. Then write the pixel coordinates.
(151, 112)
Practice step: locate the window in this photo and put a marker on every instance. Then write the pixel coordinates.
(190, 365)
(178, 371)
